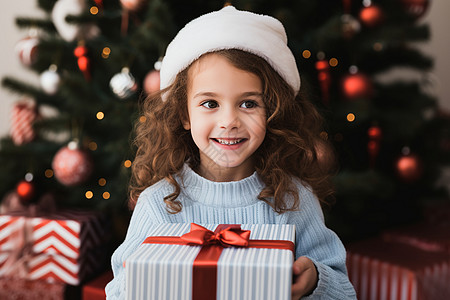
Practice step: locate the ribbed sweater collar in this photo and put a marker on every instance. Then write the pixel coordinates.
(224, 194)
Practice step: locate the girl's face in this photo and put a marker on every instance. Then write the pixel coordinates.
(227, 117)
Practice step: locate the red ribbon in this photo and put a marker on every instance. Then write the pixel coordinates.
(204, 283)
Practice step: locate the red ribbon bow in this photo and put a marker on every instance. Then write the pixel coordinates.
(230, 236)
(205, 264)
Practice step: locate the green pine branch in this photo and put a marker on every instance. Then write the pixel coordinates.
(27, 22)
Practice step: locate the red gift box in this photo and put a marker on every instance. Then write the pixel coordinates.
(23, 289)
(95, 289)
(63, 246)
(380, 269)
(69, 233)
(425, 236)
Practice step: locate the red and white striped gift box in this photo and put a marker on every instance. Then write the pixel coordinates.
(58, 268)
(69, 233)
(8, 226)
(424, 235)
(166, 271)
(66, 246)
(383, 270)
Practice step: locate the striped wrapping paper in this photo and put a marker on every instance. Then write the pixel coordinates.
(66, 246)
(69, 233)
(381, 270)
(58, 268)
(159, 271)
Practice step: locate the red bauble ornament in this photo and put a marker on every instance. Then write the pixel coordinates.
(415, 8)
(99, 3)
(151, 82)
(25, 190)
(373, 146)
(323, 73)
(83, 61)
(371, 16)
(357, 85)
(132, 4)
(409, 168)
(71, 165)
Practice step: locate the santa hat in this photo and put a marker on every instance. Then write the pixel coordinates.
(230, 28)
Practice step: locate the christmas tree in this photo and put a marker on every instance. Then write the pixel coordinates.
(71, 139)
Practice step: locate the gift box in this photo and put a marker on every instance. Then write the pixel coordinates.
(183, 261)
(23, 289)
(381, 269)
(425, 236)
(95, 289)
(64, 246)
(69, 233)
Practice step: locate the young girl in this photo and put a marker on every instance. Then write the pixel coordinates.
(228, 140)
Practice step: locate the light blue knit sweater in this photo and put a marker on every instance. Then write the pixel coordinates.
(208, 202)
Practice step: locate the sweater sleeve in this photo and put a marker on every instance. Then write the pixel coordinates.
(140, 223)
(323, 247)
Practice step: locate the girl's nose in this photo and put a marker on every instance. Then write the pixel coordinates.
(229, 118)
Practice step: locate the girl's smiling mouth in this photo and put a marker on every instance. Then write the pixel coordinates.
(227, 143)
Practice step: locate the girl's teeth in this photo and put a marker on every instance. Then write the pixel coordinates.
(228, 142)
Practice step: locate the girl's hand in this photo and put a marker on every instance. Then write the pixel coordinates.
(305, 277)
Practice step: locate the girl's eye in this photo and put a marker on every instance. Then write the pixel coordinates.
(249, 104)
(209, 104)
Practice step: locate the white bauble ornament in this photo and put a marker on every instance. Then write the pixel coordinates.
(68, 31)
(123, 84)
(50, 80)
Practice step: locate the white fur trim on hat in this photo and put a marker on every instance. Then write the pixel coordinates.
(230, 28)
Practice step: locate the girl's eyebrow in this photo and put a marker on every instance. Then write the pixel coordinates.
(211, 94)
(205, 94)
(248, 94)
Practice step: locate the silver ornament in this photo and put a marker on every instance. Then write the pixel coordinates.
(50, 80)
(123, 84)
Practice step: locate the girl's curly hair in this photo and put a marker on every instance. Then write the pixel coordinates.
(292, 148)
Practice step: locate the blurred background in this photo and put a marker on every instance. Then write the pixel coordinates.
(73, 72)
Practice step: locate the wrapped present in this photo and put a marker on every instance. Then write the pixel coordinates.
(69, 233)
(425, 236)
(380, 269)
(63, 246)
(23, 289)
(95, 289)
(254, 262)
